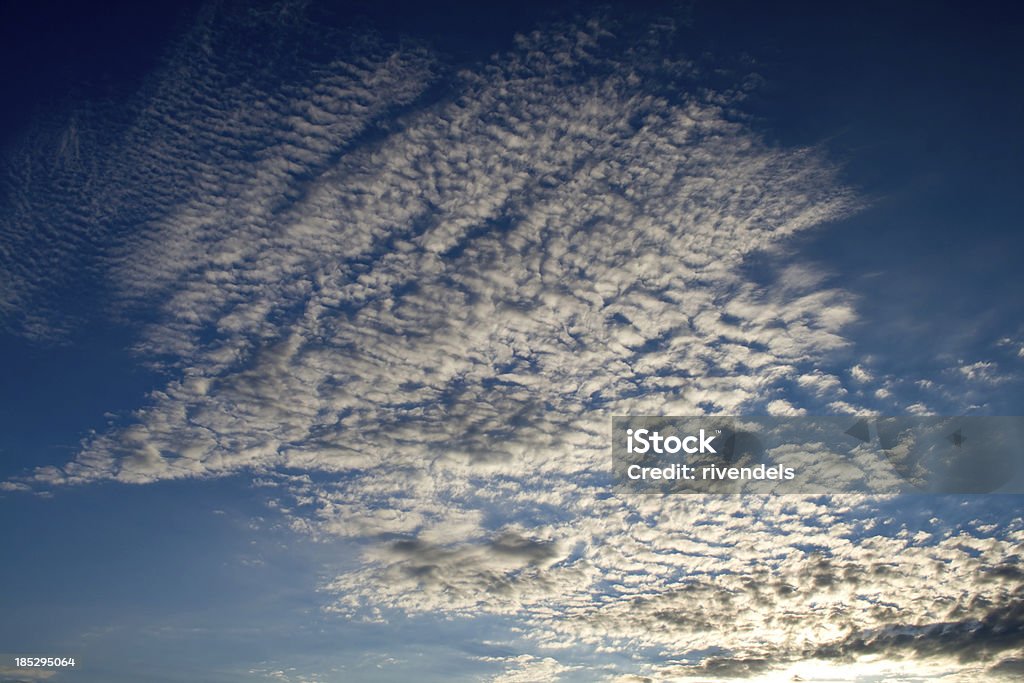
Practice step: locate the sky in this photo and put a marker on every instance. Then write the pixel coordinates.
(313, 318)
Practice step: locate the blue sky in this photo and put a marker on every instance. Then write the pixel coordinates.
(313, 318)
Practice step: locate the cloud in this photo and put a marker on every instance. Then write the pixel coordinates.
(981, 372)
(9, 674)
(527, 668)
(860, 373)
(998, 629)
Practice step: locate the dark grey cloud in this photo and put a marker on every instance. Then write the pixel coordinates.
(998, 630)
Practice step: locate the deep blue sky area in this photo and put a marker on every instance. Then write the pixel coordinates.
(294, 552)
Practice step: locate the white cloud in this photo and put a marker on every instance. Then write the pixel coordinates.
(981, 372)
(527, 669)
(860, 373)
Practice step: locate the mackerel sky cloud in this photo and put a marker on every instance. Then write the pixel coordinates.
(394, 295)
